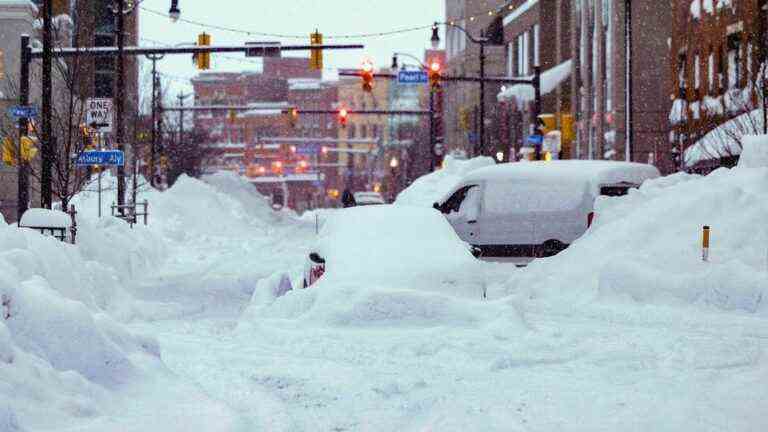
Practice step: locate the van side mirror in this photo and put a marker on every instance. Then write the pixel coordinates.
(436, 206)
(316, 258)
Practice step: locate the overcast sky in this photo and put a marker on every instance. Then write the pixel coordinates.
(299, 17)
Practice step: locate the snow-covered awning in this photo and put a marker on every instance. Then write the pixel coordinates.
(724, 140)
(550, 79)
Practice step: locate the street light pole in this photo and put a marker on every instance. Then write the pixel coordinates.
(22, 197)
(153, 146)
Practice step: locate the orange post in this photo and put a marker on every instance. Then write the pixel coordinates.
(705, 243)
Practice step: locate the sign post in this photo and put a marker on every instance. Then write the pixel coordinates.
(99, 158)
(99, 114)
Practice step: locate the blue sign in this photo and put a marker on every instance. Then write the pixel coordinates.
(110, 157)
(21, 111)
(536, 139)
(308, 149)
(411, 77)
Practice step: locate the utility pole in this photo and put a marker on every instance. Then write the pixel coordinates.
(22, 198)
(628, 77)
(47, 150)
(119, 102)
(181, 98)
(481, 143)
(155, 103)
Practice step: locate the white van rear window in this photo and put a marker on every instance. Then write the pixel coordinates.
(514, 197)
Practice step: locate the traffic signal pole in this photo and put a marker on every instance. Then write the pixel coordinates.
(22, 197)
(120, 102)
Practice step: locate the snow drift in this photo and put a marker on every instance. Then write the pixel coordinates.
(646, 247)
(432, 187)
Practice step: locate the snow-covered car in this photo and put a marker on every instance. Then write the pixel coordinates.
(534, 209)
(397, 246)
(368, 198)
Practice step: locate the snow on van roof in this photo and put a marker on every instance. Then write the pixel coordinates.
(596, 172)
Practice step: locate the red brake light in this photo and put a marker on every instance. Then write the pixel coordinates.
(590, 219)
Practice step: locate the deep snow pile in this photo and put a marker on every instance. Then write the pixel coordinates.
(646, 247)
(432, 187)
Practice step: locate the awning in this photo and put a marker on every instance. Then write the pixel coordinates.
(550, 79)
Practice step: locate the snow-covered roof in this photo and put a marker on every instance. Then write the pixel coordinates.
(592, 171)
(519, 11)
(550, 79)
(305, 84)
(724, 140)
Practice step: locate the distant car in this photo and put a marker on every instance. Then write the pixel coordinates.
(394, 245)
(368, 198)
(534, 209)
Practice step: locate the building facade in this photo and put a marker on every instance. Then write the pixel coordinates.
(462, 100)
(365, 140)
(715, 58)
(536, 34)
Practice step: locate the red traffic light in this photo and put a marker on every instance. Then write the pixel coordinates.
(367, 75)
(434, 74)
(343, 117)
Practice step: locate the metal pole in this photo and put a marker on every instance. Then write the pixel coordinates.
(154, 123)
(47, 150)
(432, 140)
(23, 168)
(537, 103)
(628, 77)
(119, 96)
(100, 170)
(481, 142)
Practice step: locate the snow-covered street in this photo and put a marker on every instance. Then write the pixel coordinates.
(205, 340)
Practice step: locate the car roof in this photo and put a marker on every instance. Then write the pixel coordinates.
(591, 171)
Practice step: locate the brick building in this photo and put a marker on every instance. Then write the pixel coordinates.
(535, 34)
(715, 54)
(462, 100)
(279, 157)
(363, 142)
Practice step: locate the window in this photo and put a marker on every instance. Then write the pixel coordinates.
(711, 69)
(734, 60)
(681, 63)
(511, 59)
(536, 45)
(453, 203)
(522, 54)
(697, 71)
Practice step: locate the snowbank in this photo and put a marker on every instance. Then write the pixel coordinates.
(432, 187)
(654, 234)
(726, 139)
(755, 152)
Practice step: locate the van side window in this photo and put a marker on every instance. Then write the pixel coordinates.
(453, 204)
(616, 190)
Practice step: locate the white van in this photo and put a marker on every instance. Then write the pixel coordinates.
(534, 209)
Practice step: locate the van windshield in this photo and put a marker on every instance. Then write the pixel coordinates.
(512, 197)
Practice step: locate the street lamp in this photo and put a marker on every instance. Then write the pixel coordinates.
(174, 13)
(482, 40)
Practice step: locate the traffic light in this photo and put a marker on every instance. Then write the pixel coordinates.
(277, 167)
(203, 59)
(367, 75)
(316, 55)
(435, 69)
(293, 116)
(343, 114)
(232, 116)
(10, 154)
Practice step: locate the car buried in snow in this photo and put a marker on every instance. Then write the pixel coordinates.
(534, 209)
(368, 198)
(393, 244)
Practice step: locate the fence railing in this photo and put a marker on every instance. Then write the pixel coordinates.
(130, 212)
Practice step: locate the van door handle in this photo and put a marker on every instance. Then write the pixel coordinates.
(472, 222)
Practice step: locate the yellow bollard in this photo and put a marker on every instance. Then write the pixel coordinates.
(705, 244)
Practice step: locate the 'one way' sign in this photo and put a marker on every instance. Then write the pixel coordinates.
(99, 114)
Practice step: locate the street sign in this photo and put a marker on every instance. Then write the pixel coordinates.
(308, 149)
(108, 157)
(535, 139)
(412, 77)
(99, 114)
(263, 49)
(21, 111)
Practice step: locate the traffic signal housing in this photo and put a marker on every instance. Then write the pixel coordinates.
(203, 59)
(316, 55)
(367, 75)
(293, 117)
(343, 114)
(435, 73)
